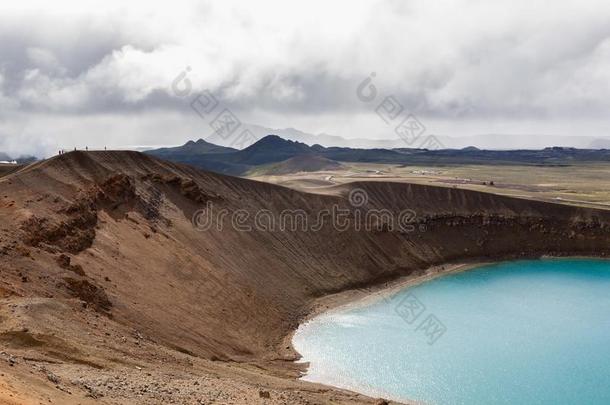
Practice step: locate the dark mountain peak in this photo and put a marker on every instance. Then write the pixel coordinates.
(199, 142)
(560, 148)
(274, 142)
(272, 138)
(191, 148)
(272, 148)
(23, 159)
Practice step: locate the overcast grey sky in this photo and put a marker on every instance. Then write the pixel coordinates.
(76, 73)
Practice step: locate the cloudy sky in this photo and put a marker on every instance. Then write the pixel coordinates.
(76, 73)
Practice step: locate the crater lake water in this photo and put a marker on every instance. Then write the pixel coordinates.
(523, 332)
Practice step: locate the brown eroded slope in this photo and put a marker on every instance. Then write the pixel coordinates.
(6, 169)
(296, 164)
(103, 270)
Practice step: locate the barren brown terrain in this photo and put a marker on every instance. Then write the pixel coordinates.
(8, 168)
(109, 294)
(581, 184)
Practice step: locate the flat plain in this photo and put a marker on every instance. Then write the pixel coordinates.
(582, 184)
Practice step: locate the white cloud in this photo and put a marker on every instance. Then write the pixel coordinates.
(507, 61)
(45, 59)
(6, 103)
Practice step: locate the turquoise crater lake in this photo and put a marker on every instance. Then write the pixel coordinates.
(524, 332)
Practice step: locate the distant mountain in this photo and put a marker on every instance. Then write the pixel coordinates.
(271, 148)
(192, 148)
(543, 157)
(274, 149)
(4, 157)
(292, 134)
(600, 144)
(482, 141)
(220, 159)
(520, 141)
(201, 154)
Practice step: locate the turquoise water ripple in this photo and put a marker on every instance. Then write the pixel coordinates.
(525, 332)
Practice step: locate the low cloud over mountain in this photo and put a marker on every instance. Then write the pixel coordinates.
(73, 72)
